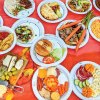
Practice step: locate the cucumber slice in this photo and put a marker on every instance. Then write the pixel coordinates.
(76, 82)
(84, 84)
(80, 84)
(87, 83)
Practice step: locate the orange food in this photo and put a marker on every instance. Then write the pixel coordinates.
(87, 91)
(39, 83)
(90, 68)
(42, 73)
(12, 80)
(51, 82)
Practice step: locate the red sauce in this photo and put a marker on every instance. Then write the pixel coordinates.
(3, 35)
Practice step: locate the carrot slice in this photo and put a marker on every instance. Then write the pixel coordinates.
(59, 90)
(66, 86)
(81, 39)
(69, 25)
(72, 33)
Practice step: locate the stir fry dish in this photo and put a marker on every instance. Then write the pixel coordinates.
(87, 80)
(48, 83)
(24, 33)
(51, 11)
(6, 40)
(97, 3)
(15, 6)
(79, 5)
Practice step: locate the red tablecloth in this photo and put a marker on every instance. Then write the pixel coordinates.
(91, 51)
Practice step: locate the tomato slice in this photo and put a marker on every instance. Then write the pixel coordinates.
(48, 60)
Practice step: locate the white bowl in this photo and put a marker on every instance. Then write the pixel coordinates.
(95, 5)
(57, 43)
(89, 28)
(76, 11)
(35, 25)
(62, 5)
(1, 21)
(7, 29)
(69, 46)
(66, 73)
(22, 14)
(73, 71)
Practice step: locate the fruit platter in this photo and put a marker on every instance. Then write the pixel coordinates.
(49, 49)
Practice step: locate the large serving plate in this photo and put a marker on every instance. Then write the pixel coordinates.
(22, 14)
(73, 75)
(62, 9)
(1, 21)
(35, 25)
(67, 78)
(70, 46)
(56, 42)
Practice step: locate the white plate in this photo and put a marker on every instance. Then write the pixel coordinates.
(94, 3)
(64, 71)
(7, 29)
(69, 46)
(62, 8)
(89, 28)
(76, 11)
(22, 14)
(1, 21)
(56, 42)
(35, 24)
(73, 72)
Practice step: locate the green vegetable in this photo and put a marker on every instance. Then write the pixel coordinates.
(84, 84)
(59, 14)
(87, 83)
(13, 69)
(57, 53)
(76, 82)
(80, 84)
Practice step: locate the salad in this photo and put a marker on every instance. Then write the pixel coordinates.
(24, 33)
(79, 5)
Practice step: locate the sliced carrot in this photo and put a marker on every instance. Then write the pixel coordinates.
(62, 88)
(69, 25)
(66, 86)
(59, 90)
(72, 33)
(81, 39)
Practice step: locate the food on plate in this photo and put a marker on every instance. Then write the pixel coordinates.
(51, 83)
(71, 32)
(95, 27)
(43, 47)
(45, 93)
(15, 6)
(97, 3)
(24, 33)
(55, 96)
(51, 71)
(11, 67)
(87, 79)
(3, 90)
(51, 11)
(42, 73)
(6, 40)
(79, 5)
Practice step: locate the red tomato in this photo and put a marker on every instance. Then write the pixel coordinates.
(48, 60)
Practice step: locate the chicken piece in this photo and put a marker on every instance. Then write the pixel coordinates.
(45, 93)
(7, 60)
(19, 64)
(12, 63)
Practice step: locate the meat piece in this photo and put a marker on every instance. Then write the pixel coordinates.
(12, 63)
(7, 60)
(19, 64)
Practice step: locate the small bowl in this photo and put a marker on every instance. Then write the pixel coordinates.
(1, 21)
(56, 42)
(76, 11)
(7, 29)
(64, 71)
(22, 14)
(89, 28)
(69, 46)
(94, 3)
(62, 5)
